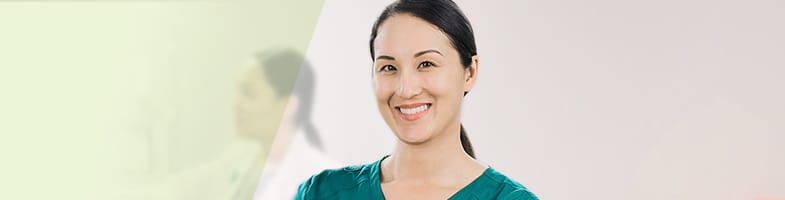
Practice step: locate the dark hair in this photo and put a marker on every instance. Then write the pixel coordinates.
(445, 15)
(283, 65)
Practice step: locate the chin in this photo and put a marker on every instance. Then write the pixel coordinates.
(413, 135)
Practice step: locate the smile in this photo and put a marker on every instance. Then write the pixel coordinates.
(413, 112)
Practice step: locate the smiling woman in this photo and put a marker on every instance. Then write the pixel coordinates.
(425, 62)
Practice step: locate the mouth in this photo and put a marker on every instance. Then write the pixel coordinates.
(411, 112)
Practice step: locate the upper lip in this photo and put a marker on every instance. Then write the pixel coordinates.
(411, 105)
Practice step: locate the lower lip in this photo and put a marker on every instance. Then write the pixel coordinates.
(415, 116)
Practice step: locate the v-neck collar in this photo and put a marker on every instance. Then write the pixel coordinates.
(376, 181)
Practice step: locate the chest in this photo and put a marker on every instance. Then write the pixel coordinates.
(395, 191)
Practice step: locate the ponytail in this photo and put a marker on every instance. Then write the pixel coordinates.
(467, 145)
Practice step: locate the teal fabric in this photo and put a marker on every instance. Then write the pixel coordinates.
(363, 182)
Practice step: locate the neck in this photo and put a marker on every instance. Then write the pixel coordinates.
(278, 147)
(439, 157)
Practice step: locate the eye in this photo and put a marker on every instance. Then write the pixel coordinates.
(425, 64)
(387, 68)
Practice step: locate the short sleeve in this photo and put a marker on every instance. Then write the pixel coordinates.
(303, 189)
(352, 182)
(519, 194)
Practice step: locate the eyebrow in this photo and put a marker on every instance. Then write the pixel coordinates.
(385, 57)
(427, 51)
(418, 54)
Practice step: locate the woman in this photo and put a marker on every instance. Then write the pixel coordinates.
(425, 62)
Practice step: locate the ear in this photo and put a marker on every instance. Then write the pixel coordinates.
(470, 75)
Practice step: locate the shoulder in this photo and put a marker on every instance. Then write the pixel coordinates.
(332, 182)
(507, 188)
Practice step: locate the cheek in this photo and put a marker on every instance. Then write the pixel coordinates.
(247, 106)
(446, 86)
(384, 89)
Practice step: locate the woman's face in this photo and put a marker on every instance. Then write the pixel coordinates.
(255, 104)
(419, 80)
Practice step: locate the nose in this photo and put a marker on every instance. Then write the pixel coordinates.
(410, 85)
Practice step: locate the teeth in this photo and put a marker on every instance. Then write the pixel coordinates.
(411, 111)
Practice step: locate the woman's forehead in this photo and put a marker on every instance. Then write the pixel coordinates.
(404, 34)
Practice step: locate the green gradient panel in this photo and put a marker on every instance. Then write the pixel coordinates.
(138, 99)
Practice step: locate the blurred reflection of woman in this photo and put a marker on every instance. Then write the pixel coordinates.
(295, 148)
(425, 62)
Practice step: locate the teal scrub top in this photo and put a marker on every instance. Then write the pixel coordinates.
(363, 182)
